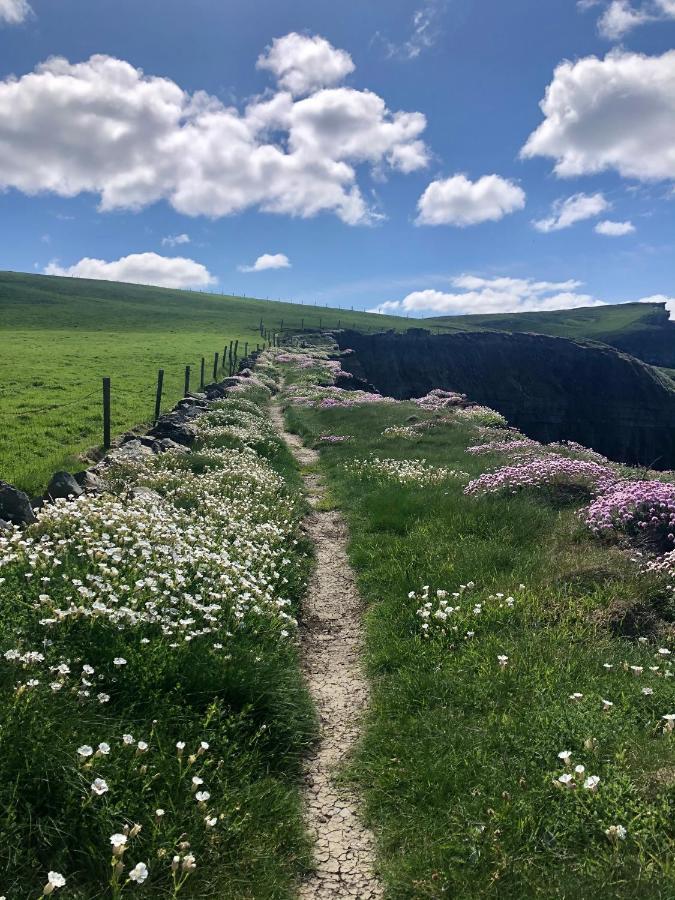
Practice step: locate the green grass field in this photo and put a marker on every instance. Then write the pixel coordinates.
(600, 323)
(460, 755)
(60, 336)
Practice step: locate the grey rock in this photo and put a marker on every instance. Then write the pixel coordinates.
(174, 427)
(195, 395)
(132, 451)
(217, 391)
(15, 506)
(191, 411)
(167, 444)
(63, 485)
(89, 481)
(149, 442)
(5, 526)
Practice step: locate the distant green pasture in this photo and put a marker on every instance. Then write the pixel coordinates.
(60, 336)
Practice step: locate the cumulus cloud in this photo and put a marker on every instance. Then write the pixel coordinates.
(571, 210)
(425, 31)
(302, 64)
(172, 240)
(13, 12)
(475, 294)
(614, 229)
(135, 139)
(621, 16)
(268, 261)
(613, 113)
(459, 201)
(140, 268)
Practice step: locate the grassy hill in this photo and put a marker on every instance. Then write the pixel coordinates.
(60, 336)
(642, 329)
(598, 322)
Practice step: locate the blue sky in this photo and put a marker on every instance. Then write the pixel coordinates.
(305, 164)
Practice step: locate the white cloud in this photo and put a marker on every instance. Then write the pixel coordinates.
(140, 268)
(621, 16)
(303, 64)
(661, 298)
(571, 210)
(492, 295)
(612, 113)
(459, 201)
(136, 139)
(425, 31)
(614, 229)
(13, 12)
(172, 240)
(268, 261)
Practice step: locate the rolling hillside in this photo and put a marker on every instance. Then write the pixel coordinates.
(641, 329)
(60, 336)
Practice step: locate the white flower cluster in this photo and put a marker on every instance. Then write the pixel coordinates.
(447, 614)
(204, 556)
(403, 471)
(184, 549)
(577, 778)
(411, 432)
(237, 420)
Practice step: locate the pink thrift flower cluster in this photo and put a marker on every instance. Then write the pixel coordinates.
(300, 360)
(635, 507)
(547, 471)
(438, 399)
(574, 447)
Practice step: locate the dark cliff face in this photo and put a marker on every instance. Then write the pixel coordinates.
(551, 388)
(653, 342)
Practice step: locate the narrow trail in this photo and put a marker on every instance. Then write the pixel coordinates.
(331, 658)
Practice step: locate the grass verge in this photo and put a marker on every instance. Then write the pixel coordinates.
(472, 708)
(153, 714)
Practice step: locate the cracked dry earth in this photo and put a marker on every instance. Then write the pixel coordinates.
(331, 657)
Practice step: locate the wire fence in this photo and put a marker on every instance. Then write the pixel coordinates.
(219, 364)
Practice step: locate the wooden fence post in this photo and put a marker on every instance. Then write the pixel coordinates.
(215, 366)
(246, 349)
(158, 397)
(201, 380)
(187, 381)
(106, 414)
